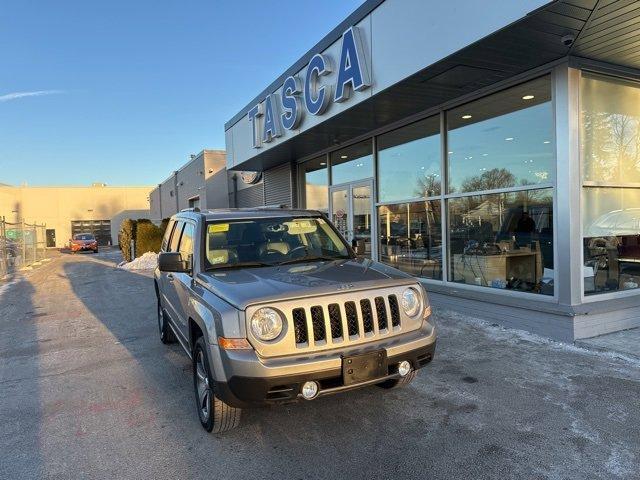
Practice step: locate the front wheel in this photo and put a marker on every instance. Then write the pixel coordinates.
(215, 415)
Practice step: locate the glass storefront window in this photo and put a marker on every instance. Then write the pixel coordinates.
(316, 184)
(409, 161)
(504, 140)
(411, 237)
(610, 147)
(352, 163)
(610, 130)
(611, 230)
(503, 240)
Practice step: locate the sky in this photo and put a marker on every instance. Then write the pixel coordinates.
(122, 92)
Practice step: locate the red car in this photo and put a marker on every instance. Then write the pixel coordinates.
(84, 242)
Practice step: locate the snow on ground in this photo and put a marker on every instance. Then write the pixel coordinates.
(147, 261)
(512, 336)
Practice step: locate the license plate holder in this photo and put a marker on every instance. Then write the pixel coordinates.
(364, 367)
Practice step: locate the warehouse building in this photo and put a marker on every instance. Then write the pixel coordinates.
(490, 148)
(97, 209)
(202, 182)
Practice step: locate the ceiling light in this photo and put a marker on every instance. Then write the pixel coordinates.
(466, 117)
(528, 97)
(546, 141)
(508, 139)
(344, 157)
(322, 164)
(485, 154)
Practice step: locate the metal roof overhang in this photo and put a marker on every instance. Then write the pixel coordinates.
(604, 31)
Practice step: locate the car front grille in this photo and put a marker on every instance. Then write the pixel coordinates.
(344, 319)
(384, 308)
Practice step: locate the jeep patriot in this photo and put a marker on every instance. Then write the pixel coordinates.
(272, 305)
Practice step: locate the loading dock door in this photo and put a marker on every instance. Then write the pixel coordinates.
(101, 229)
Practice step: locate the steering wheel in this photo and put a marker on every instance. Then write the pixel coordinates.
(292, 252)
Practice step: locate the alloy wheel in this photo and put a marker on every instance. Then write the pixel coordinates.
(203, 388)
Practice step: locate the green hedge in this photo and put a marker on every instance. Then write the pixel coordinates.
(126, 234)
(148, 237)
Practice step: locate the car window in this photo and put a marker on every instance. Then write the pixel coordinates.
(271, 241)
(84, 236)
(175, 237)
(167, 235)
(186, 242)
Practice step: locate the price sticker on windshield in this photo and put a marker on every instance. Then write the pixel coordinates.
(218, 228)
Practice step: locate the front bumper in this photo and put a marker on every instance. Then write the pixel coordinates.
(84, 248)
(246, 380)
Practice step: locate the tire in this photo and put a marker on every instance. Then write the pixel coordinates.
(215, 415)
(398, 382)
(166, 334)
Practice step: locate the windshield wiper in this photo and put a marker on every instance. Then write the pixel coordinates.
(313, 259)
(240, 265)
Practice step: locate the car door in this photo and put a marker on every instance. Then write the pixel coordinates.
(171, 301)
(182, 281)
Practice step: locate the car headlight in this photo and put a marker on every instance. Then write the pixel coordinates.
(266, 324)
(411, 302)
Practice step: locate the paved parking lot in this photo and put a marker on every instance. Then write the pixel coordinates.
(88, 391)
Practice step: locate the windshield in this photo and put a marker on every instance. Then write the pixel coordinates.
(84, 236)
(272, 241)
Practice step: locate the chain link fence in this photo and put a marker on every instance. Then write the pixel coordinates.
(21, 245)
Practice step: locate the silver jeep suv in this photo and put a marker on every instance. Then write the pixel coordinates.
(272, 305)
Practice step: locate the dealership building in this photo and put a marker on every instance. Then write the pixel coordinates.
(491, 149)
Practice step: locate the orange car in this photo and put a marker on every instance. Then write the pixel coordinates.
(83, 242)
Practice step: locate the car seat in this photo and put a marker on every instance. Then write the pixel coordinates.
(219, 252)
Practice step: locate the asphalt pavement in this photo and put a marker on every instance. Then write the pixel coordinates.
(88, 391)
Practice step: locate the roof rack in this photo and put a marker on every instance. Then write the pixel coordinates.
(268, 207)
(192, 209)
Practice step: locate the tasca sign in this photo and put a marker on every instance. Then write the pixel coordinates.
(286, 108)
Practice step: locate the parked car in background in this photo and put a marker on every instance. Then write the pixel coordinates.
(273, 305)
(83, 242)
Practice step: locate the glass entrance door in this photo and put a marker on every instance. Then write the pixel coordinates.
(351, 207)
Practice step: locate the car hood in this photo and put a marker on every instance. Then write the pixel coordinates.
(247, 286)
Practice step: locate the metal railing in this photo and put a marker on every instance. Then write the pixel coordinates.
(21, 245)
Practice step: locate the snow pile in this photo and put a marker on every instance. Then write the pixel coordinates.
(147, 261)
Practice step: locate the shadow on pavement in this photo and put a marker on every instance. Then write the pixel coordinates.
(20, 392)
(281, 438)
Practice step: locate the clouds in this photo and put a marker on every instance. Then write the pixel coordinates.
(38, 93)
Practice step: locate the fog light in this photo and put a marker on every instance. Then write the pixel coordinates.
(404, 368)
(309, 390)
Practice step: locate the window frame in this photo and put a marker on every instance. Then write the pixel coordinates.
(588, 184)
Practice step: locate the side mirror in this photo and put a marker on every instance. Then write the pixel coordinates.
(172, 262)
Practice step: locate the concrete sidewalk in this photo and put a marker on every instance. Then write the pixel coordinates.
(626, 343)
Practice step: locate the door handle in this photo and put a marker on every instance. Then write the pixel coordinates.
(170, 277)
